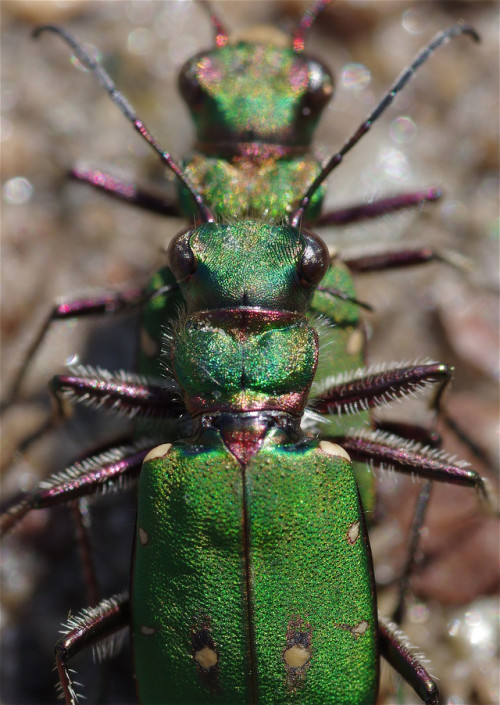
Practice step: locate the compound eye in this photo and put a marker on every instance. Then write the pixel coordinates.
(320, 89)
(180, 256)
(315, 259)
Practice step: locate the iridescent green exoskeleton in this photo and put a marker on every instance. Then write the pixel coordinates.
(252, 572)
(255, 104)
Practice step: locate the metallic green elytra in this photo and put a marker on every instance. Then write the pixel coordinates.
(252, 582)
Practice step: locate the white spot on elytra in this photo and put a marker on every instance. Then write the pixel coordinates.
(296, 656)
(158, 452)
(206, 657)
(333, 449)
(143, 536)
(360, 628)
(147, 631)
(353, 533)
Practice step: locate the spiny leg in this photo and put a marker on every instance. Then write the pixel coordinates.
(396, 649)
(409, 257)
(96, 626)
(101, 304)
(376, 386)
(411, 458)
(372, 388)
(112, 469)
(124, 393)
(429, 439)
(410, 432)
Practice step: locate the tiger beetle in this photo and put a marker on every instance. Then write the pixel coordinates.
(242, 139)
(244, 422)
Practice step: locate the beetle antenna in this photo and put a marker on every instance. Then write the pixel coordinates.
(126, 108)
(305, 24)
(401, 81)
(221, 35)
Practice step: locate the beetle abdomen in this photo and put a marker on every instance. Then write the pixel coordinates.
(252, 584)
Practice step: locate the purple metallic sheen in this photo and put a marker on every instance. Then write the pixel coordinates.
(125, 192)
(142, 399)
(89, 627)
(365, 211)
(371, 390)
(258, 151)
(91, 481)
(390, 260)
(105, 181)
(395, 647)
(292, 403)
(247, 317)
(409, 461)
(103, 303)
(419, 434)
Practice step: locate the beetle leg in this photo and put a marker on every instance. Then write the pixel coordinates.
(410, 432)
(111, 469)
(396, 649)
(125, 192)
(366, 211)
(396, 259)
(107, 303)
(121, 392)
(410, 458)
(373, 387)
(94, 626)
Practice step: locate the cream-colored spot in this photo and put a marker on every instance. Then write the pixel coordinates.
(355, 342)
(206, 657)
(149, 345)
(143, 536)
(297, 656)
(147, 631)
(353, 533)
(158, 452)
(333, 449)
(360, 628)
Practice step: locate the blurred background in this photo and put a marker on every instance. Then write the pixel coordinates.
(60, 239)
